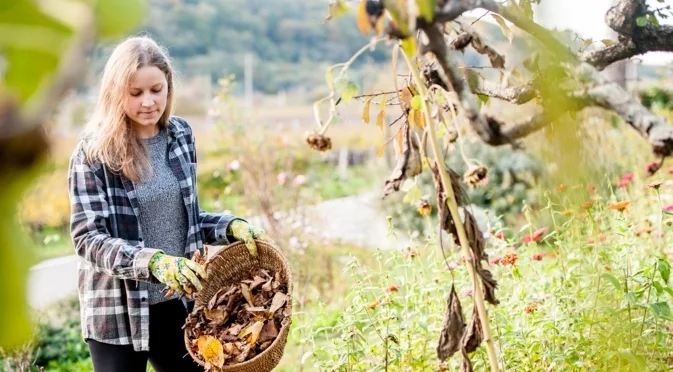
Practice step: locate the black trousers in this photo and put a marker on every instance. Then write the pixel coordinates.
(167, 346)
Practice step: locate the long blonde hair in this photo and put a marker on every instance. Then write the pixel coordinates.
(109, 135)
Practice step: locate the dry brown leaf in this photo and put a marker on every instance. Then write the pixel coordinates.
(228, 348)
(466, 364)
(236, 329)
(489, 285)
(365, 110)
(362, 19)
(256, 282)
(252, 332)
(277, 302)
(474, 335)
(269, 332)
(454, 327)
(217, 316)
(245, 290)
(381, 117)
(211, 350)
(408, 163)
(256, 309)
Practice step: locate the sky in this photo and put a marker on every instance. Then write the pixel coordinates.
(586, 17)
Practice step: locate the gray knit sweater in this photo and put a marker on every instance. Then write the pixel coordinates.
(163, 216)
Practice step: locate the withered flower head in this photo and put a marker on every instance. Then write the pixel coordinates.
(475, 175)
(318, 141)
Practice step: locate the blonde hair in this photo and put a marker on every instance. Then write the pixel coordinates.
(109, 135)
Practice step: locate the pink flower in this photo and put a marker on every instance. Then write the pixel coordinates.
(496, 261)
(282, 178)
(452, 266)
(467, 293)
(538, 256)
(536, 236)
(299, 180)
(625, 180)
(668, 208)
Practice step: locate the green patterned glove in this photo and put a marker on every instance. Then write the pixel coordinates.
(178, 273)
(242, 231)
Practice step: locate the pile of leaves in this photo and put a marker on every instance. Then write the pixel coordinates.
(240, 321)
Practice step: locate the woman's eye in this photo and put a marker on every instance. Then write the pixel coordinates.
(135, 94)
(156, 90)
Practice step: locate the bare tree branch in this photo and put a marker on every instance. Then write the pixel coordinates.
(514, 94)
(609, 95)
(452, 77)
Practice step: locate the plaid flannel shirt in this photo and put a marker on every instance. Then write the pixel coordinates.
(113, 266)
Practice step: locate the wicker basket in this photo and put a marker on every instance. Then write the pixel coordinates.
(231, 264)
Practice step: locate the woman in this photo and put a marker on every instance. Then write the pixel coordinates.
(136, 219)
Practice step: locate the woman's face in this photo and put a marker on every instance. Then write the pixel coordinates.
(146, 99)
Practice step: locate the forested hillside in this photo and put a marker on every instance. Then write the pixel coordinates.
(284, 36)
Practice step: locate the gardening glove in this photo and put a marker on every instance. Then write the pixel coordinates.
(242, 231)
(178, 273)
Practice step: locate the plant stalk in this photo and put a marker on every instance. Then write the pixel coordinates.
(453, 208)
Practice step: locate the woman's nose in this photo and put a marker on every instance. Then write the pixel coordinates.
(148, 101)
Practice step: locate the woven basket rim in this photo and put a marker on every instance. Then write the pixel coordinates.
(284, 329)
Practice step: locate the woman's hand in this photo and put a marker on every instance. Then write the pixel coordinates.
(178, 273)
(242, 231)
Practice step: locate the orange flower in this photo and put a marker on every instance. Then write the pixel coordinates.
(500, 236)
(410, 254)
(602, 237)
(561, 187)
(424, 208)
(538, 256)
(619, 206)
(591, 188)
(587, 204)
(392, 288)
(608, 268)
(590, 241)
(567, 212)
(509, 259)
(375, 304)
(536, 236)
(530, 308)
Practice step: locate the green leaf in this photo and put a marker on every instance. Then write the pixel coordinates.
(664, 269)
(631, 298)
(641, 21)
(329, 77)
(527, 8)
(661, 309)
(409, 46)
(119, 17)
(669, 290)
(416, 103)
(637, 361)
(346, 88)
(32, 43)
(612, 279)
(483, 98)
(503, 27)
(658, 287)
(653, 20)
(427, 9)
(413, 196)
